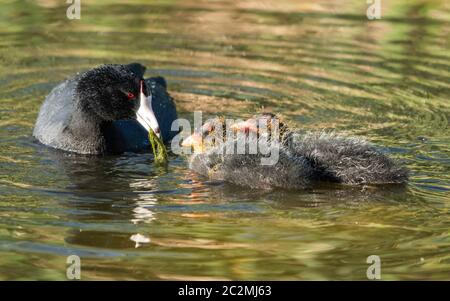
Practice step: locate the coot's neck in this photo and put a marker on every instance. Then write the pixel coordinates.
(86, 128)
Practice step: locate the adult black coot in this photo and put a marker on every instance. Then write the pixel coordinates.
(301, 160)
(108, 109)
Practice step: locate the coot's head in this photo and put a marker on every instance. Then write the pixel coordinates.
(115, 92)
(207, 136)
(214, 131)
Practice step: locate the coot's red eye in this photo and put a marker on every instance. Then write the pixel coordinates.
(130, 95)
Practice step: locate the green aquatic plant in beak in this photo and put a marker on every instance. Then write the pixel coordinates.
(146, 117)
(158, 147)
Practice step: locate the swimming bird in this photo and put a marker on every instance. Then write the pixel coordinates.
(108, 109)
(302, 160)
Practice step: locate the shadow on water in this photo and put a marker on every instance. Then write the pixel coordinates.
(103, 190)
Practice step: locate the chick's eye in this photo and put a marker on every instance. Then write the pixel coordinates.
(130, 95)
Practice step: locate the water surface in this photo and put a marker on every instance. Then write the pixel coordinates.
(322, 65)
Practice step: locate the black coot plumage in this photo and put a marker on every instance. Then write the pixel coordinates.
(302, 158)
(105, 110)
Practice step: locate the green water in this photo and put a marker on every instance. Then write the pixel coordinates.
(322, 65)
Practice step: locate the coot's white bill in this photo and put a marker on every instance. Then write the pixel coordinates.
(145, 115)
